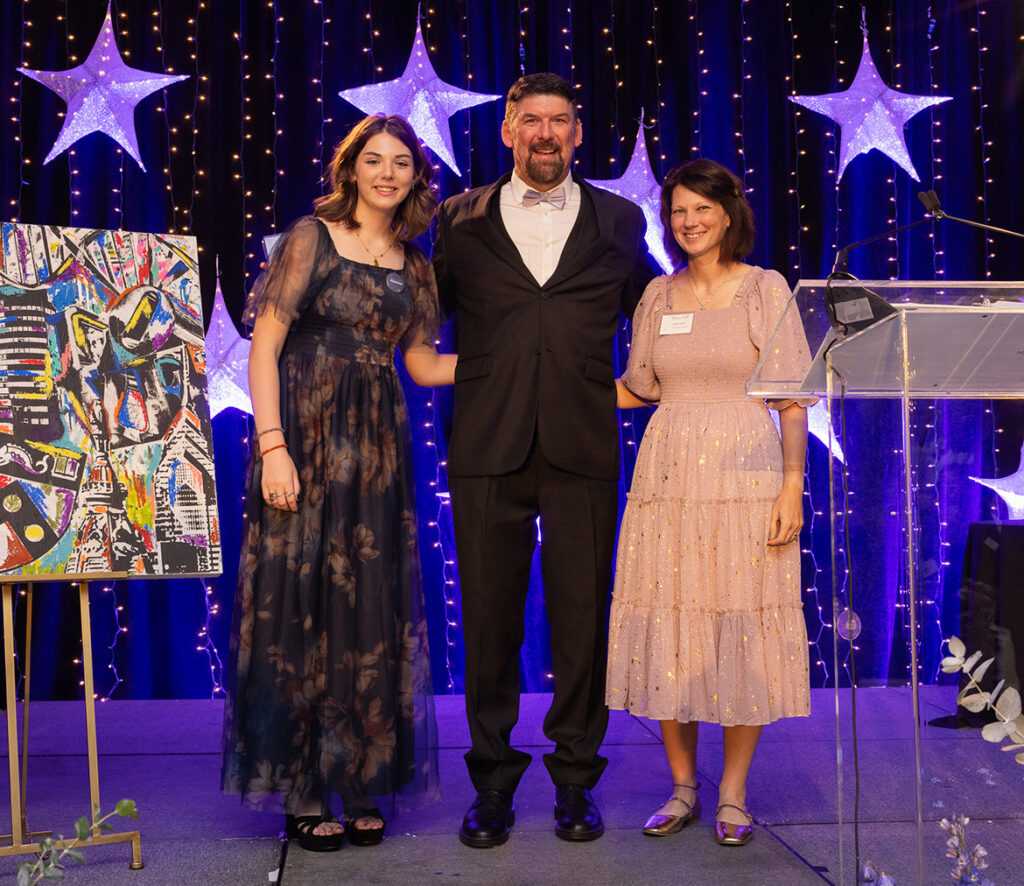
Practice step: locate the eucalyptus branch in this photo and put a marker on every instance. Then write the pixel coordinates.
(48, 864)
(1003, 701)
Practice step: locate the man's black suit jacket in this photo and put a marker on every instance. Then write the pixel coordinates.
(531, 357)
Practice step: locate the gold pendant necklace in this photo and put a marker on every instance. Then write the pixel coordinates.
(711, 289)
(376, 258)
(703, 305)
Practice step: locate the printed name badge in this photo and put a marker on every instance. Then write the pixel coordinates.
(676, 324)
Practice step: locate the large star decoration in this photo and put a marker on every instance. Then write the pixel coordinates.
(227, 361)
(639, 185)
(817, 426)
(871, 115)
(101, 94)
(1010, 489)
(422, 97)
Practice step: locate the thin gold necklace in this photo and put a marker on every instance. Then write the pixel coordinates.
(703, 304)
(376, 258)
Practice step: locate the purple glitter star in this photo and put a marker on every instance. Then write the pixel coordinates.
(871, 115)
(227, 361)
(639, 185)
(1009, 488)
(101, 94)
(422, 98)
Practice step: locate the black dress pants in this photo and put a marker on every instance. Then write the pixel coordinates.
(495, 535)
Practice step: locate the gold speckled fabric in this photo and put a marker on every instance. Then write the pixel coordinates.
(706, 620)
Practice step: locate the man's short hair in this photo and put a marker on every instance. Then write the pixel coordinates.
(540, 83)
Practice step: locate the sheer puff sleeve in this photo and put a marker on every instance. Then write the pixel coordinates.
(639, 376)
(772, 326)
(289, 275)
(425, 323)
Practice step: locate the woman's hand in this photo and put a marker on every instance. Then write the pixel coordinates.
(280, 481)
(626, 399)
(428, 368)
(787, 517)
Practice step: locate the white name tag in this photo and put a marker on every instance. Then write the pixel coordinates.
(676, 324)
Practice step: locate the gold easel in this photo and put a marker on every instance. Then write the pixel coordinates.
(19, 820)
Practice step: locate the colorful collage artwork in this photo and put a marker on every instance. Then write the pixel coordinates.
(106, 454)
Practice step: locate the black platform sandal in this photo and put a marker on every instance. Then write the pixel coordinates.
(364, 836)
(301, 828)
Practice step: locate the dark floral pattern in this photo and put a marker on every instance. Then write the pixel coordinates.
(331, 689)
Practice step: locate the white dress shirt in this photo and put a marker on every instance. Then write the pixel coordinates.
(539, 231)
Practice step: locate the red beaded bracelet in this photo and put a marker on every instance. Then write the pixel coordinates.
(263, 452)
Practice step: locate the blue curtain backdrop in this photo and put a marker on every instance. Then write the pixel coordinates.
(235, 152)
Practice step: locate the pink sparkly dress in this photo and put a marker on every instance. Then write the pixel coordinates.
(706, 620)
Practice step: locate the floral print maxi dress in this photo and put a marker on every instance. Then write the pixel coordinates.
(331, 690)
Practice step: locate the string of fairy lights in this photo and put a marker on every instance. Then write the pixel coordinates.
(617, 136)
(933, 585)
(260, 212)
(659, 101)
(891, 179)
(992, 430)
(696, 35)
(521, 11)
(318, 86)
(158, 27)
(440, 524)
(811, 591)
(737, 96)
(567, 45)
(906, 523)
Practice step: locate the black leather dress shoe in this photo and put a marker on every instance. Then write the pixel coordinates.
(487, 822)
(576, 815)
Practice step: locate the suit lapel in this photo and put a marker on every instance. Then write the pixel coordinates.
(582, 248)
(487, 225)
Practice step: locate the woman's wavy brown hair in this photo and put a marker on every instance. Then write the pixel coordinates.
(414, 213)
(714, 182)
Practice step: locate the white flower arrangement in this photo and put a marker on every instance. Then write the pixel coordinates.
(1004, 702)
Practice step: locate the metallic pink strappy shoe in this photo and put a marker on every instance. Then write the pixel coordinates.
(729, 834)
(661, 825)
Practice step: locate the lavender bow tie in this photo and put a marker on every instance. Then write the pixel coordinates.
(555, 197)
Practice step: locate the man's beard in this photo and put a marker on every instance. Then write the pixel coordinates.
(547, 171)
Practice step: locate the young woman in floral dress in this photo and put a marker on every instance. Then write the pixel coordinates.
(331, 690)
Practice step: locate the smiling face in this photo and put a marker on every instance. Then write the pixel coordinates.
(543, 134)
(383, 173)
(698, 223)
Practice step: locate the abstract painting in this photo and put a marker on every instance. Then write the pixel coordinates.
(106, 455)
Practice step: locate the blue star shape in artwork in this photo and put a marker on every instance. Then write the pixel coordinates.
(1010, 489)
(227, 361)
(871, 115)
(101, 94)
(422, 97)
(639, 185)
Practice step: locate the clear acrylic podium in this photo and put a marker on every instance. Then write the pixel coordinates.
(903, 340)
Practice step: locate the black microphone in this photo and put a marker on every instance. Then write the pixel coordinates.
(934, 208)
(850, 307)
(842, 256)
(930, 201)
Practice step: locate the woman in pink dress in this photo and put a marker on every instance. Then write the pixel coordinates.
(706, 620)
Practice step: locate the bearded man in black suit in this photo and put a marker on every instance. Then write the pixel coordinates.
(536, 269)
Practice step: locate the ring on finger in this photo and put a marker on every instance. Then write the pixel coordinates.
(272, 496)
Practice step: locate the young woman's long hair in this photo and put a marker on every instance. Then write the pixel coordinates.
(414, 213)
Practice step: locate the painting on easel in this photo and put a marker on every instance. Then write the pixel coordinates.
(106, 455)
